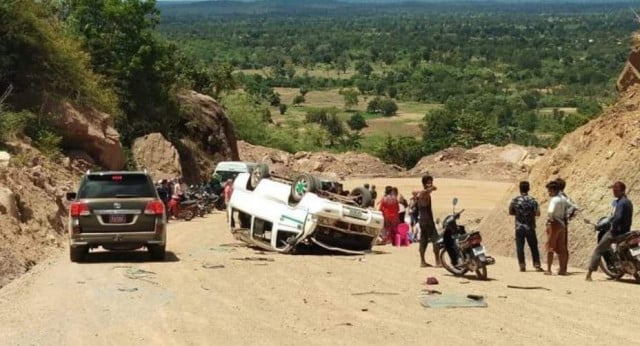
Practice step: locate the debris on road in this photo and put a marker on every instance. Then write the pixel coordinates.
(140, 274)
(212, 266)
(432, 291)
(264, 259)
(431, 281)
(475, 296)
(451, 301)
(375, 293)
(132, 289)
(529, 287)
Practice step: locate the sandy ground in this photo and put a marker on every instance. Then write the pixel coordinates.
(122, 298)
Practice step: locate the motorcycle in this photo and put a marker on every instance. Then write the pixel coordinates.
(467, 247)
(623, 256)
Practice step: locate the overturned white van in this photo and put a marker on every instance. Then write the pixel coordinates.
(264, 215)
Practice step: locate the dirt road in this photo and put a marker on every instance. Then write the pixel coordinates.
(206, 293)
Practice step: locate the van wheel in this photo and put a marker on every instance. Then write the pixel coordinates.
(302, 184)
(361, 196)
(78, 253)
(257, 173)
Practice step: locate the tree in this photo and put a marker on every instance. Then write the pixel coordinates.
(364, 68)
(304, 90)
(335, 128)
(357, 122)
(350, 98)
(120, 36)
(439, 131)
(386, 107)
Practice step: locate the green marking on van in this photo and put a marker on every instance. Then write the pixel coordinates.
(285, 217)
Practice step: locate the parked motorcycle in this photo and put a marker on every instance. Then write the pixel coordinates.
(624, 254)
(467, 247)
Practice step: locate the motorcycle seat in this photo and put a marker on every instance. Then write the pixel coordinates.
(187, 203)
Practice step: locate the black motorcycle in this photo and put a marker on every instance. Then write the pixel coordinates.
(460, 251)
(623, 256)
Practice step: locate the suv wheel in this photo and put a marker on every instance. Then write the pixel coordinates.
(78, 253)
(157, 252)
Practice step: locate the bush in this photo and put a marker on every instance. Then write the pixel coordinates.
(298, 99)
(282, 108)
(386, 107)
(357, 122)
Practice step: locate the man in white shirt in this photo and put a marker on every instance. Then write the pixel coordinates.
(570, 211)
(556, 229)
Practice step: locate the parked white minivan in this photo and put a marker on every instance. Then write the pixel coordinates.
(230, 169)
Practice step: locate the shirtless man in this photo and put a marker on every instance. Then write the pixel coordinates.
(428, 231)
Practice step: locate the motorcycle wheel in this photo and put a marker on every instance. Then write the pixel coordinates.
(444, 260)
(201, 213)
(614, 274)
(188, 215)
(481, 272)
(637, 277)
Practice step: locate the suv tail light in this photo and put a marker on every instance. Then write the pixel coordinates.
(154, 208)
(77, 209)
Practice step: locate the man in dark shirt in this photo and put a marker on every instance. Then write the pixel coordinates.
(525, 209)
(620, 224)
(428, 231)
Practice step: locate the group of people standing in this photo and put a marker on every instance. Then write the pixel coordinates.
(560, 211)
(396, 209)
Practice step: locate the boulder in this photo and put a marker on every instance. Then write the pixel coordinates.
(90, 131)
(4, 159)
(210, 136)
(156, 154)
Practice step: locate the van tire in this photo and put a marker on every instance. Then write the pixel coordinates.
(362, 196)
(258, 172)
(78, 253)
(302, 184)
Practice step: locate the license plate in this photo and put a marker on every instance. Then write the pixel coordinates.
(635, 251)
(478, 250)
(355, 213)
(117, 219)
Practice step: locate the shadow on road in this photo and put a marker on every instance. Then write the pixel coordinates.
(126, 257)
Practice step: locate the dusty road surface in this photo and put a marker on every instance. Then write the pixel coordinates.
(207, 293)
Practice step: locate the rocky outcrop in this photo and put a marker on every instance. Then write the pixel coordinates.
(4, 158)
(589, 159)
(156, 154)
(90, 131)
(210, 136)
(484, 162)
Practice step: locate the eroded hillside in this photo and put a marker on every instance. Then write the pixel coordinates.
(589, 159)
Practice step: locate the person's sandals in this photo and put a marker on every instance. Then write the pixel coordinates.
(539, 269)
(548, 273)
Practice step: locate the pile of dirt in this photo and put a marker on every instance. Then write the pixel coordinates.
(33, 208)
(589, 159)
(339, 165)
(484, 162)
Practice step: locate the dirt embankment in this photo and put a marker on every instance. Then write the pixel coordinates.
(342, 165)
(589, 159)
(484, 162)
(33, 211)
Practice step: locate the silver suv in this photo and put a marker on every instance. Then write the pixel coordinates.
(118, 211)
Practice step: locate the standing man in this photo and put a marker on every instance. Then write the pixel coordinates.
(525, 209)
(572, 208)
(428, 231)
(228, 190)
(556, 214)
(620, 224)
(374, 195)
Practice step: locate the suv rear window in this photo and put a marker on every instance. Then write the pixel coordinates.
(116, 185)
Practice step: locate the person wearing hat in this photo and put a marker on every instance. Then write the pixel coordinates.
(620, 224)
(556, 229)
